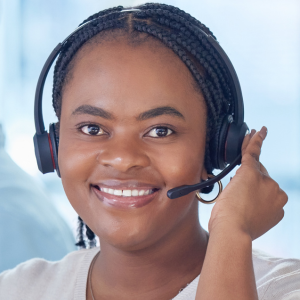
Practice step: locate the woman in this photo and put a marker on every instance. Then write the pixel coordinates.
(139, 100)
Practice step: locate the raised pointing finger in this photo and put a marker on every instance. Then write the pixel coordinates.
(247, 139)
(251, 154)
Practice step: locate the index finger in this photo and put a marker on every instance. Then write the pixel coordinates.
(251, 153)
(247, 139)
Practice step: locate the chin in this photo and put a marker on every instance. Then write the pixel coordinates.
(128, 240)
(132, 232)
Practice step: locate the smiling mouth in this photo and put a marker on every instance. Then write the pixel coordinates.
(125, 198)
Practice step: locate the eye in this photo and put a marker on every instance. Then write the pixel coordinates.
(92, 129)
(160, 132)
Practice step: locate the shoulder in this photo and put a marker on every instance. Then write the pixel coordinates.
(41, 279)
(276, 278)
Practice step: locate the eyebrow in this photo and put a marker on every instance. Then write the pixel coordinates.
(92, 110)
(152, 113)
(158, 111)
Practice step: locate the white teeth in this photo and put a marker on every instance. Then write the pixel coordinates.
(118, 192)
(127, 193)
(134, 193)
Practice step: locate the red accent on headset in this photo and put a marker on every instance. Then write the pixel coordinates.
(51, 150)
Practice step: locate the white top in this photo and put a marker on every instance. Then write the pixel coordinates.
(276, 278)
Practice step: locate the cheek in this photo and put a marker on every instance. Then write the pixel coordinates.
(76, 163)
(181, 164)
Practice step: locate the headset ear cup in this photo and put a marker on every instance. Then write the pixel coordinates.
(43, 153)
(54, 141)
(235, 138)
(213, 147)
(220, 143)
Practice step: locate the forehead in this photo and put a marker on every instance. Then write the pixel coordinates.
(129, 76)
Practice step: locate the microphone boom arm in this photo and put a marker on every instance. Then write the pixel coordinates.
(186, 189)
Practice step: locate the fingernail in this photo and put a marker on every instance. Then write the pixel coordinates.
(253, 131)
(263, 132)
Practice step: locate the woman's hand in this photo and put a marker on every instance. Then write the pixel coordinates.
(251, 204)
(252, 201)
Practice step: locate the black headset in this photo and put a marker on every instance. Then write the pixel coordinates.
(229, 140)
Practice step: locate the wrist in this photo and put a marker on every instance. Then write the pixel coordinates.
(229, 228)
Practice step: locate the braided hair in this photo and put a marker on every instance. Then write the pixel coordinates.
(81, 243)
(176, 30)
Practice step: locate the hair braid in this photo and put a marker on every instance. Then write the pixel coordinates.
(80, 243)
(178, 12)
(102, 13)
(91, 237)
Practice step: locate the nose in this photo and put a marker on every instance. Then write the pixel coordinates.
(123, 155)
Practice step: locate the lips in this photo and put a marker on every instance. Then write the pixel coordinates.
(125, 195)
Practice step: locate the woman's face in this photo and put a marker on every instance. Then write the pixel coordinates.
(131, 121)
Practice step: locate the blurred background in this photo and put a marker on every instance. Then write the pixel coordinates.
(262, 39)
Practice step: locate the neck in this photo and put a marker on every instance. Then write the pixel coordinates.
(156, 272)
